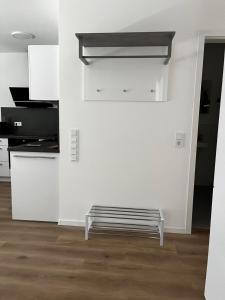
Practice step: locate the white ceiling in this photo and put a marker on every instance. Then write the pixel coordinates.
(39, 17)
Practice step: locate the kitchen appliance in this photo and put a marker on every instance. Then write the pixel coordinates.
(20, 97)
(32, 123)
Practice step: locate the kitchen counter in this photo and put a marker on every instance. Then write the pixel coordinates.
(19, 137)
(39, 146)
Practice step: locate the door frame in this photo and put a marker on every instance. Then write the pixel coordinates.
(202, 37)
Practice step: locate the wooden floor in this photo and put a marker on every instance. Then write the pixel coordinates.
(41, 261)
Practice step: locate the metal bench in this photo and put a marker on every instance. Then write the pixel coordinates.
(123, 220)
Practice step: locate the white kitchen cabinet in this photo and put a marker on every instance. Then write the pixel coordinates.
(43, 72)
(3, 142)
(4, 160)
(34, 184)
(4, 170)
(4, 154)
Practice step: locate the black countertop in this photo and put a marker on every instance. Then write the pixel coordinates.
(20, 137)
(38, 146)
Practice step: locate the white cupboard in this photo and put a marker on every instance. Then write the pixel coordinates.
(34, 185)
(43, 63)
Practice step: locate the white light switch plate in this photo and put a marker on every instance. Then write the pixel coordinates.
(74, 144)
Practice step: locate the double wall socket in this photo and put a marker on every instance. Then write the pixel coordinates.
(18, 124)
(180, 140)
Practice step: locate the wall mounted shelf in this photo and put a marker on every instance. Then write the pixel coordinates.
(126, 39)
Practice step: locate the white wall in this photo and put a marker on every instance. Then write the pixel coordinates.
(13, 72)
(127, 153)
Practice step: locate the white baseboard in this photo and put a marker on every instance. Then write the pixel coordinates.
(171, 229)
(81, 223)
(67, 222)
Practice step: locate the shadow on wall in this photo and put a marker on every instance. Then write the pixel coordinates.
(187, 18)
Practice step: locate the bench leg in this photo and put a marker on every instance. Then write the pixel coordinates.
(86, 226)
(161, 230)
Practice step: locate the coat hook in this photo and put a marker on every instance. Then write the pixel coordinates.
(98, 90)
(124, 90)
(152, 91)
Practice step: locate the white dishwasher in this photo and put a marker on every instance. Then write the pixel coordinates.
(34, 184)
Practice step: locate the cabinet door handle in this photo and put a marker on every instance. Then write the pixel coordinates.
(28, 156)
(1, 164)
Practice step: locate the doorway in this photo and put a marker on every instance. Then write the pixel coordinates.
(207, 133)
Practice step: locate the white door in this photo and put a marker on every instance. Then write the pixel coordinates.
(215, 279)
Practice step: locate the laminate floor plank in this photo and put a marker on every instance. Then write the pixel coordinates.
(44, 261)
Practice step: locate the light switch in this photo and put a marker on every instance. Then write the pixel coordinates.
(74, 144)
(180, 140)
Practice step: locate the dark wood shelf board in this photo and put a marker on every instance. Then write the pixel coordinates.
(126, 39)
(125, 56)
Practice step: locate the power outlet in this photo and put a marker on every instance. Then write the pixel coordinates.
(18, 124)
(180, 140)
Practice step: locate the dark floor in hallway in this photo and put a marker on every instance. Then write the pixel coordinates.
(202, 207)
